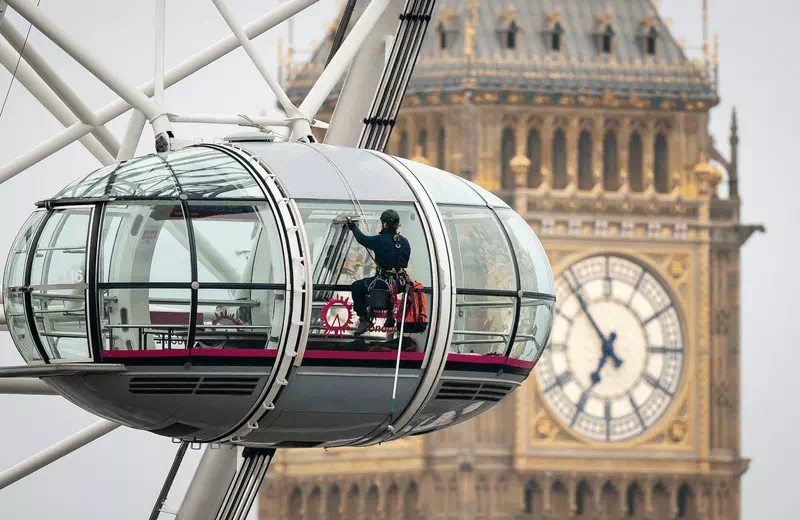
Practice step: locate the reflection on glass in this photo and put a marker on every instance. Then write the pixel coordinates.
(211, 174)
(443, 187)
(338, 259)
(60, 316)
(237, 243)
(15, 268)
(12, 297)
(239, 318)
(145, 319)
(144, 243)
(58, 284)
(483, 325)
(94, 182)
(534, 269)
(195, 171)
(490, 198)
(481, 252)
(533, 331)
(18, 325)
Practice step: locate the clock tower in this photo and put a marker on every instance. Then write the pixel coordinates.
(590, 120)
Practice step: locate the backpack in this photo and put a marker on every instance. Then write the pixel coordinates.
(416, 319)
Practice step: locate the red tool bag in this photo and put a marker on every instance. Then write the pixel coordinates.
(416, 309)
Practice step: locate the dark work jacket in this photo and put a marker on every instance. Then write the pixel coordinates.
(387, 254)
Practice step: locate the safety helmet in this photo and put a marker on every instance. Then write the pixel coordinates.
(391, 218)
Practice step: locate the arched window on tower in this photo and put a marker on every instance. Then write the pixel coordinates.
(585, 175)
(607, 40)
(651, 42)
(609, 501)
(511, 35)
(660, 498)
(634, 500)
(555, 37)
(560, 179)
(392, 500)
(534, 153)
(422, 142)
(313, 507)
(441, 149)
(353, 502)
(333, 503)
(534, 501)
(686, 503)
(371, 505)
(441, 32)
(583, 499)
(402, 148)
(296, 504)
(410, 502)
(635, 163)
(509, 150)
(661, 164)
(610, 162)
(559, 499)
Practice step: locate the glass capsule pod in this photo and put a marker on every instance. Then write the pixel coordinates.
(214, 284)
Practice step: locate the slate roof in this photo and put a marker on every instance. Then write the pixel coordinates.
(580, 67)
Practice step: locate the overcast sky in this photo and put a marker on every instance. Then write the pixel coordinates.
(119, 476)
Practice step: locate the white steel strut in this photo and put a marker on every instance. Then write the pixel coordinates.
(48, 99)
(172, 76)
(56, 451)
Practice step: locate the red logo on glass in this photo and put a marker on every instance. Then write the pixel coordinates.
(336, 316)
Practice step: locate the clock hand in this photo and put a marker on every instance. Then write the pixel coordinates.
(596, 374)
(609, 349)
(586, 311)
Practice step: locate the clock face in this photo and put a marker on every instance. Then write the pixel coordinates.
(615, 357)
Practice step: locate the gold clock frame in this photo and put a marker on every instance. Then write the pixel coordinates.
(683, 272)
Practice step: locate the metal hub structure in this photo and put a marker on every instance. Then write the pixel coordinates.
(376, 59)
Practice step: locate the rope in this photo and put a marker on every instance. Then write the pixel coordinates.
(16, 68)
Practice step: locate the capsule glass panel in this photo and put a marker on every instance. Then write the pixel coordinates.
(146, 176)
(481, 253)
(534, 269)
(331, 242)
(533, 331)
(490, 198)
(483, 324)
(144, 242)
(13, 296)
(198, 172)
(338, 261)
(239, 318)
(211, 174)
(237, 243)
(145, 319)
(444, 187)
(58, 284)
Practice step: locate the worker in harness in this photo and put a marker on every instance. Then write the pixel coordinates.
(392, 253)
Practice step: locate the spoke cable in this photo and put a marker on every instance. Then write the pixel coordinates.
(14, 74)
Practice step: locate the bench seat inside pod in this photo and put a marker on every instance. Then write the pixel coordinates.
(219, 278)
